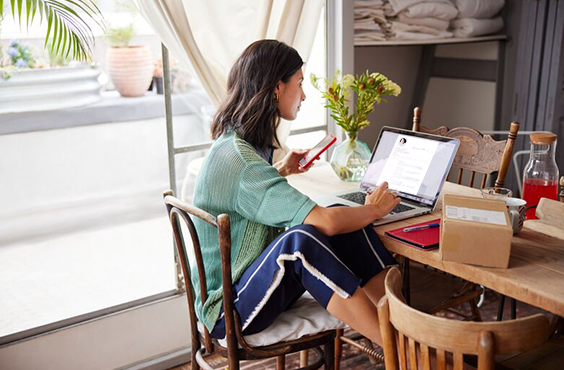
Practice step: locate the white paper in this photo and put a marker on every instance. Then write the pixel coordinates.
(476, 215)
(408, 163)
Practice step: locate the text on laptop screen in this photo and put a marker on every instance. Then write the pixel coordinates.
(413, 166)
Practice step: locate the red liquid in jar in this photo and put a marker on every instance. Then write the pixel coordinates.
(534, 189)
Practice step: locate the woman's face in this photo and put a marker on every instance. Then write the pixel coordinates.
(291, 95)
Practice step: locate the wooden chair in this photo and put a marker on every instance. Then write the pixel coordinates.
(236, 348)
(478, 155)
(434, 291)
(425, 341)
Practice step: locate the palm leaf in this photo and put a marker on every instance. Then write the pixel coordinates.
(68, 32)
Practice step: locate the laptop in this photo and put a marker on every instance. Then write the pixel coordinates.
(414, 164)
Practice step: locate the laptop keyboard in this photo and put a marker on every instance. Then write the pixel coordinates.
(359, 198)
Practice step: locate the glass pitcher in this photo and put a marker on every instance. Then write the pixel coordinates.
(540, 177)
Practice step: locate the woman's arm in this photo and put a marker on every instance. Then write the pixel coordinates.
(341, 220)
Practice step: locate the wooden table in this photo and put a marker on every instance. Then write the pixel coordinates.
(536, 267)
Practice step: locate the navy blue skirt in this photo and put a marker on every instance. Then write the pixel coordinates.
(303, 259)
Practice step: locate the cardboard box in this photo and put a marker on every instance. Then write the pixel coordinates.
(475, 231)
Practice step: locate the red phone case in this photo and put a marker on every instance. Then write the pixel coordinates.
(333, 139)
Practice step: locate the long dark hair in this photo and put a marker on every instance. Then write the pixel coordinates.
(250, 107)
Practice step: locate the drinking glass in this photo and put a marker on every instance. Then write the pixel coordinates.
(496, 193)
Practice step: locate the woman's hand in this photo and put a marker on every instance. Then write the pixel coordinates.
(382, 198)
(340, 220)
(290, 164)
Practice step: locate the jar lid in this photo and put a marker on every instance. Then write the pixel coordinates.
(543, 138)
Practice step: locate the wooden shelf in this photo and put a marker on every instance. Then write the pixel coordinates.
(452, 40)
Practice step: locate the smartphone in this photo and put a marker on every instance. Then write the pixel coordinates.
(317, 150)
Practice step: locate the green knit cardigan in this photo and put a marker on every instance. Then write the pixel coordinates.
(235, 180)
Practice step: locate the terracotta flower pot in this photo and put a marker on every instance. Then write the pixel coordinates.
(131, 69)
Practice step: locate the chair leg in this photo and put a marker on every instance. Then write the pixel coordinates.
(338, 350)
(303, 358)
(194, 363)
(500, 308)
(233, 363)
(406, 281)
(329, 353)
(475, 310)
(513, 308)
(280, 362)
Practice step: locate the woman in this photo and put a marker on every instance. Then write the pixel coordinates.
(329, 252)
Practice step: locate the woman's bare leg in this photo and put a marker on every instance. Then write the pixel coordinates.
(359, 310)
(374, 288)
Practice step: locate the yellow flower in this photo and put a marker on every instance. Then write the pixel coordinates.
(370, 88)
(393, 87)
(347, 81)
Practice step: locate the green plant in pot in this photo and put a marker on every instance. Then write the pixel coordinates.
(350, 158)
(130, 66)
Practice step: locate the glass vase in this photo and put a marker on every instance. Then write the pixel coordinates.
(350, 159)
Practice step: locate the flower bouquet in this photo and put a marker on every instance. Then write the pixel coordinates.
(350, 159)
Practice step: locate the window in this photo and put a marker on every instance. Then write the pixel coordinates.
(82, 226)
(83, 231)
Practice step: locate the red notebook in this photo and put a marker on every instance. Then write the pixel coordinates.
(423, 239)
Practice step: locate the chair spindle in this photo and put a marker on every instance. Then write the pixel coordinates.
(472, 176)
(459, 179)
(412, 354)
(441, 361)
(402, 351)
(425, 359)
(457, 360)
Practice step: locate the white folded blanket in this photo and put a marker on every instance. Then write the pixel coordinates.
(406, 35)
(368, 3)
(478, 8)
(435, 23)
(368, 13)
(399, 5)
(403, 27)
(469, 27)
(368, 24)
(442, 11)
(369, 36)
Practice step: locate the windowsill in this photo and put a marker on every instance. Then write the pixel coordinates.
(111, 108)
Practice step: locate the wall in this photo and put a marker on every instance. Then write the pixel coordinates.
(448, 102)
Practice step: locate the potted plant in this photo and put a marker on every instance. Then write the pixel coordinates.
(350, 159)
(130, 66)
(29, 83)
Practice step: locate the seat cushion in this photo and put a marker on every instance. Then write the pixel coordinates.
(305, 317)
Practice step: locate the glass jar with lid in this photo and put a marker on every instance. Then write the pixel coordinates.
(540, 177)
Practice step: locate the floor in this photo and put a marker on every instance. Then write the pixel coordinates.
(353, 359)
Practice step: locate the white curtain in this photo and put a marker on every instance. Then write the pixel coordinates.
(210, 34)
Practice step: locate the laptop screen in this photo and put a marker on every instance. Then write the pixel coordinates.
(414, 164)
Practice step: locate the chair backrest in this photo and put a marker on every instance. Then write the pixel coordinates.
(417, 334)
(477, 153)
(181, 212)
